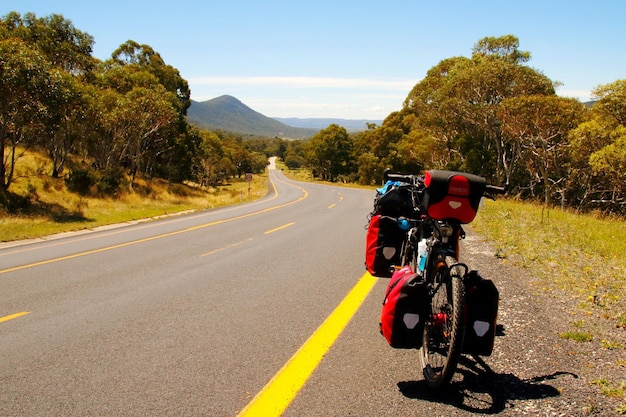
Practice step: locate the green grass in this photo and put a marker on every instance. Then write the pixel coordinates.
(582, 254)
(609, 389)
(577, 336)
(614, 390)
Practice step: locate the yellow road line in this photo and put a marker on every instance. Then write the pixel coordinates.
(14, 316)
(226, 247)
(331, 206)
(134, 242)
(285, 385)
(279, 228)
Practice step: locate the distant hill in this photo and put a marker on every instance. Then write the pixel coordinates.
(228, 114)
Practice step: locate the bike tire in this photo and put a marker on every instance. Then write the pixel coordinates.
(443, 336)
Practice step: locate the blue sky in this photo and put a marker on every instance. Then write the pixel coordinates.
(344, 58)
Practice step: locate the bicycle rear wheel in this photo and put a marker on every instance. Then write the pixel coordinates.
(443, 331)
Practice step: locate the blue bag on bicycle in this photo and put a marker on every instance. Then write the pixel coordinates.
(451, 195)
(404, 310)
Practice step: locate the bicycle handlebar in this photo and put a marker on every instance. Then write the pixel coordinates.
(388, 175)
(414, 179)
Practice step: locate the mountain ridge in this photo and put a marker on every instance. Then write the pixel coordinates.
(229, 114)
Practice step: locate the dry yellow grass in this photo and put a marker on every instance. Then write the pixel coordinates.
(50, 208)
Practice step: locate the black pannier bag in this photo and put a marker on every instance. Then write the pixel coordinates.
(482, 299)
(395, 200)
(451, 195)
(383, 245)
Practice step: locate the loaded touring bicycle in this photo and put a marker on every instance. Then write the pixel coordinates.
(433, 302)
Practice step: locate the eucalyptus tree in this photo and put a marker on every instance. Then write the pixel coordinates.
(144, 56)
(457, 103)
(25, 83)
(209, 163)
(136, 119)
(133, 66)
(65, 55)
(537, 127)
(598, 149)
(330, 152)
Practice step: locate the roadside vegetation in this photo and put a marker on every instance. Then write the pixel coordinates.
(578, 256)
(582, 254)
(42, 205)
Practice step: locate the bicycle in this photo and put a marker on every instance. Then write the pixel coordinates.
(435, 207)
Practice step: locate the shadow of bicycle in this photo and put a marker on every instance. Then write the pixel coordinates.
(481, 390)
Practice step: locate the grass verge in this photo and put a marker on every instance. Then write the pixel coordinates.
(47, 207)
(580, 256)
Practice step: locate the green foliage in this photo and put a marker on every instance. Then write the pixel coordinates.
(537, 127)
(81, 180)
(110, 181)
(505, 47)
(126, 115)
(611, 389)
(494, 116)
(330, 151)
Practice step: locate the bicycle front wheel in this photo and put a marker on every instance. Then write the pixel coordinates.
(443, 331)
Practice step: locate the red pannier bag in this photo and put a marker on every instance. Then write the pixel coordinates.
(451, 195)
(405, 309)
(383, 245)
(482, 299)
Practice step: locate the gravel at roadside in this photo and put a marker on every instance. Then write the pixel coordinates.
(533, 370)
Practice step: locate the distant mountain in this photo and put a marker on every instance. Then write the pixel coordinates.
(228, 114)
(351, 125)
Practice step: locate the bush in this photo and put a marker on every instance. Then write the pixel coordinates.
(294, 161)
(80, 180)
(110, 181)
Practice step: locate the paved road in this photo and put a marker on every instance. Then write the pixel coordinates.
(193, 315)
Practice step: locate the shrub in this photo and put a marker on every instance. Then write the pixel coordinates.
(80, 180)
(110, 181)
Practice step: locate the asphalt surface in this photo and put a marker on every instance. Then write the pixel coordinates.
(193, 315)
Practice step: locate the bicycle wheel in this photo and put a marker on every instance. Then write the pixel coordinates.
(443, 331)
